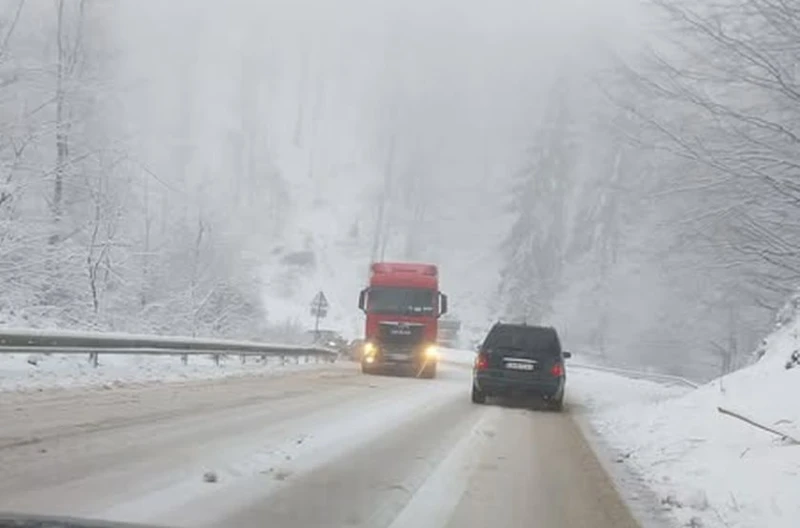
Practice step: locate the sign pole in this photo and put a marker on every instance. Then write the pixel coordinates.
(316, 319)
(319, 309)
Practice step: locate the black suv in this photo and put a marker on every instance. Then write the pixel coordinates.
(520, 360)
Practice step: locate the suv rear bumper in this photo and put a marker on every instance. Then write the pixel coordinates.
(546, 388)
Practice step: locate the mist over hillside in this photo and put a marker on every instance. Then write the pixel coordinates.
(204, 168)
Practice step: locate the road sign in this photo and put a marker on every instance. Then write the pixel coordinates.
(319, 309)
(319, 306)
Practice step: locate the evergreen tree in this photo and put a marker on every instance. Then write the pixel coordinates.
(535, 244)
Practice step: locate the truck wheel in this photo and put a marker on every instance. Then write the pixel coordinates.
(366, 369)
(429, 372)
(477, 395)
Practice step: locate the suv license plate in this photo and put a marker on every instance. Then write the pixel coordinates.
(520, 366)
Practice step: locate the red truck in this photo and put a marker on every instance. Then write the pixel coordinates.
(402, 305)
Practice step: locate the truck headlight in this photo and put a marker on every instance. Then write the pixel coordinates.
(370, 349)
(432, 352)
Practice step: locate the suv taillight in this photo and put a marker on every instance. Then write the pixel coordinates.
(557, 370)
(481, 361)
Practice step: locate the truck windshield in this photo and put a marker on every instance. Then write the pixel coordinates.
(401, 301)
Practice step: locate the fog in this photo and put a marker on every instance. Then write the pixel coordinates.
(202, 167)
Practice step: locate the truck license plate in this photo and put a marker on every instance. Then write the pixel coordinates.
(397, 357)
(519, 366)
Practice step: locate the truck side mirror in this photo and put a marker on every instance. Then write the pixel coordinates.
(362, 300)
(443, 305)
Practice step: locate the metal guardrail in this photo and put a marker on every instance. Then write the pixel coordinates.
(463, 359)
(638, 374)
(64, 342)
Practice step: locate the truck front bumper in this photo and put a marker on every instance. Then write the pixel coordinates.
(401, 359)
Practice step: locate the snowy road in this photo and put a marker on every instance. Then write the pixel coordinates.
(328, 447)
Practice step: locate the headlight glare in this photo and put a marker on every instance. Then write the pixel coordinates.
(432, 352)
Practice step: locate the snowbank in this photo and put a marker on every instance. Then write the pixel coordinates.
(598, 392)
(33, 371)
(457, 357)
(710, 469)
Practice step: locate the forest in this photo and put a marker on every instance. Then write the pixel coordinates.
(626, 172)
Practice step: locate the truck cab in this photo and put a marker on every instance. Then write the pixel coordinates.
(402, 305)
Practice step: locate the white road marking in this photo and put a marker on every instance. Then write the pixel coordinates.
(246, 471)
(434, 502)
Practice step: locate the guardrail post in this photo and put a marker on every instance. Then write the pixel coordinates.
(93, 344)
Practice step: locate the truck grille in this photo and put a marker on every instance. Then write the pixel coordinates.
(401, 335)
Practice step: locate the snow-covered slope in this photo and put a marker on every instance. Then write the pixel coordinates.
(711, 469)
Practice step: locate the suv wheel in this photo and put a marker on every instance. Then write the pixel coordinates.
(477, 395)
(557, 404)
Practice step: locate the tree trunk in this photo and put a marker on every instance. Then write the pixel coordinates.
(148, 222)
(195, 283)
(62, 143)
(301, 93)
(378, 239)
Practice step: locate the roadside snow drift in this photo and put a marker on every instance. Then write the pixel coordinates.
(454, 356)
(34, 371)
(711, 469)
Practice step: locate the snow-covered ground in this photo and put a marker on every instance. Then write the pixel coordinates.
(33, 371)
(706, 469)
(709, 469)
(457, 357)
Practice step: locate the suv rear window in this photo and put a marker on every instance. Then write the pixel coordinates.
(526, 341)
